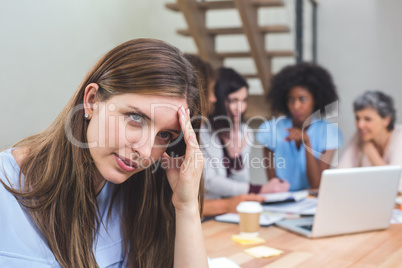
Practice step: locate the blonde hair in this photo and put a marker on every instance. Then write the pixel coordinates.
(57, 188)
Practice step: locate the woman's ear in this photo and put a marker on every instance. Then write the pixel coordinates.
(90, 99)
(386, 121)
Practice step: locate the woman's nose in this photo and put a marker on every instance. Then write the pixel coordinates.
(295, 106)
(360, 124)
(143, 146)
(145, 150)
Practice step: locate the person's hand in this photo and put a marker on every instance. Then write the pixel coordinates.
(232, 202)
(368, 148)
(275, 185)
(234, 143)
(297, 135)
(184, 174)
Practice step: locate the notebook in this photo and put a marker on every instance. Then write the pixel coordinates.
(285, 197)
(350, 200)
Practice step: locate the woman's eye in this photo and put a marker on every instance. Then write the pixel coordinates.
(303, 99)
(167, 136)
(137, 118)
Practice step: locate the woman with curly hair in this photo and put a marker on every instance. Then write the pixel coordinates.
(299, 145)
(378, 141)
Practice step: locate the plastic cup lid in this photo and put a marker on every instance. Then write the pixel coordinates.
(249, 207)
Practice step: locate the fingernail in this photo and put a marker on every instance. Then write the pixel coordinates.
(188, 112)
(182, 109)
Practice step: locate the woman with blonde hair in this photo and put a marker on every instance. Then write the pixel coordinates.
(97, 187)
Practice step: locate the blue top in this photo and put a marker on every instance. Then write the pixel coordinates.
(290, 162)
(21, 243)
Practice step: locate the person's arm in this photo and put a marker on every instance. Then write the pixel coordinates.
(394, 150)
(270, 170)
(372, 154)
(189, 250)
(213, 207)
(350, 156)
(314, 166)
(217, 183)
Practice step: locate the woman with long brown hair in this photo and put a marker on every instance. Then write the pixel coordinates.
(97, 187)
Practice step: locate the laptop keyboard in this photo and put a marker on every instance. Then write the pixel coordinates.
(307, 227)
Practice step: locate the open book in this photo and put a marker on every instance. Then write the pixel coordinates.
(285, 197)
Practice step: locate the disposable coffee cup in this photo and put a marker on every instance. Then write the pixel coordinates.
(249, 212)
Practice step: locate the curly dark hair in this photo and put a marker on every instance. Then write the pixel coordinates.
(311, 76)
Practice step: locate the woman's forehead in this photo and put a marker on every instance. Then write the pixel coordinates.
(367, 111)
(149, 101)
(299, 90)
(240, 93)
(159, 110)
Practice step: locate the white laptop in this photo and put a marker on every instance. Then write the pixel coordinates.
(351, 200)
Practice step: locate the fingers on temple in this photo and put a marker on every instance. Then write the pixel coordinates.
(188, 131)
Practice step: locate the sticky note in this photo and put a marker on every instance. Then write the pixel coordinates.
(263, 252)
(247, 240)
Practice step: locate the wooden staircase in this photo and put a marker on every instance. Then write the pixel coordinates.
(195, 15)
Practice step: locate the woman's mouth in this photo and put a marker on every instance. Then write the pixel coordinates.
(297, 115)
(363, 133)
(125, 164)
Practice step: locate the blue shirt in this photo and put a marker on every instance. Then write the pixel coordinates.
(21, 243)
(289, 161)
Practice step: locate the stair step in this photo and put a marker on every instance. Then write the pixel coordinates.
(239, 30)
(248, 76)
(268, 3)
(213, 5)
(172, 6)
(246, 54)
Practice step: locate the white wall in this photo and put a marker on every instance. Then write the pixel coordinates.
(48, 46)
(360, 43)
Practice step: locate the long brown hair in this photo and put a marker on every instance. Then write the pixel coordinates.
(58, 188)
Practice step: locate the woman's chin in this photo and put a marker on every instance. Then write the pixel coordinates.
(365, 138)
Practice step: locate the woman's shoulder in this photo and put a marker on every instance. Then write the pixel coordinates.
(324, 124)
(205, 134)
(396, 136)
(279, 122)
(397, 130)
(19, 154)
(10, 161)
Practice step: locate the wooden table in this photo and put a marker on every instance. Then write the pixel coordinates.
(370, 249)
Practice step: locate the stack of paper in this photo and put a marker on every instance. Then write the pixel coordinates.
(222, 263)
(263, 252)
(247, 240)
(285, 197)
(307, 206)
(396, 216)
